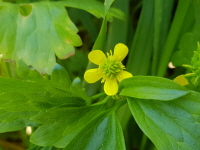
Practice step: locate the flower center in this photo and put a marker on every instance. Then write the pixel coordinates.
(111, 67)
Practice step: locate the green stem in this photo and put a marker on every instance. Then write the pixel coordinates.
(143, 142)
(103, 101)
(97, 96)
(189, 74)
(173, 35)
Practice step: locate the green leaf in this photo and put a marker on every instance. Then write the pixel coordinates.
(95, 7)
(196, 3)
(141, 48)
(102, 133)
(92, 6)
(69, 130)
(107, 4)
(170, 125)
(61, 116)
(114, 12)
(25, 72)
(162, 18)
(60, 76)
(20, 100)
(188, 43)
(37, 32)
(62, 127)
(13, 121)
(113, 32)
(42, 148)
(172, 38)
(19, 92)
(149, 87)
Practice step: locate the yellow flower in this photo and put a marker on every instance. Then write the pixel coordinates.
(110, 68)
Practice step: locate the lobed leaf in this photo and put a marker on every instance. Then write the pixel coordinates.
(13, 121)
(36, 32)
(170, 125)
(20, 100)
(62, 124)
(61, 117)
(102, 133)
(69, 130)
(149, 87)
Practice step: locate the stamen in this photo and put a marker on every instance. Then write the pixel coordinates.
(111, 53)
(111, 67)
(108, 54)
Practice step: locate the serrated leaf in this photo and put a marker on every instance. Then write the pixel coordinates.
(149, 87)
(69, 130)
(171, 125)
(42, 94)
(13, 121)
(103, 133)
(37, 32)
(20, 100)
(62, 123)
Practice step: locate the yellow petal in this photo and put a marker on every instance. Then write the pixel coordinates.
(97, 57)
(123, 74)
(120, 51)
(111, 86)
(181, 80)
(93, 75)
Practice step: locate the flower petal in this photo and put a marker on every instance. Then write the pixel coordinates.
(111, 86)
(120, 51)
(97, 57)
(123, 75)
(181, 80)
(93, 75)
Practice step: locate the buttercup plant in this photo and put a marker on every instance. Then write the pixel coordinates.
(45, 92)
(110, 68)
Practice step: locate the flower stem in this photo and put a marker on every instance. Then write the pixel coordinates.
(97, 96)
(103, 101)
